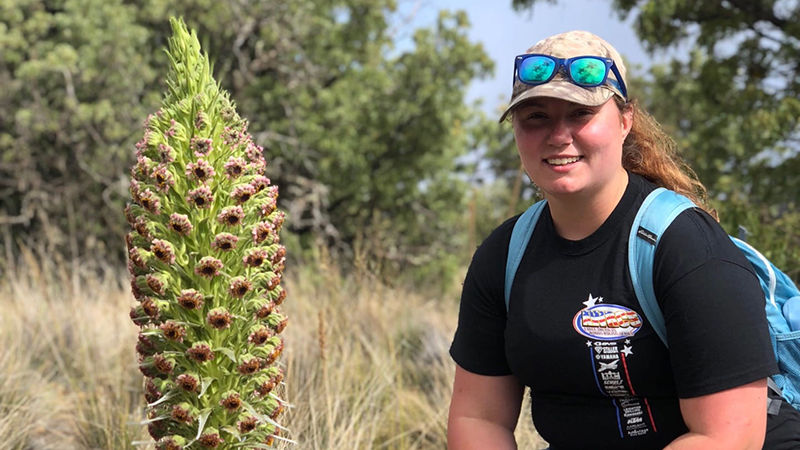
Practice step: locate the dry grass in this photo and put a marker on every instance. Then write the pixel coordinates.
(367, 364)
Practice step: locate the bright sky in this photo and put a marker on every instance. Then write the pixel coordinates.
(506, 33)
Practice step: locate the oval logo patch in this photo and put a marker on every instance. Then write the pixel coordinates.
(607, 322)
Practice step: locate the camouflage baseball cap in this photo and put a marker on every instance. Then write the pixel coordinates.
(568, 45)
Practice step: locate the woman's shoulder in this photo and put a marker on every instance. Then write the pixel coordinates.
(695, 239)
(495, 245)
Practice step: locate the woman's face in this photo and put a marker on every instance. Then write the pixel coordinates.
(568, 148)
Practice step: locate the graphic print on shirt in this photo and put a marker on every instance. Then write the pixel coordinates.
(607, 326)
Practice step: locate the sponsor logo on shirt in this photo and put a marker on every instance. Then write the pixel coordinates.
(607, 322)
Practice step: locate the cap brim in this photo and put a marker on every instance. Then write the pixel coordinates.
(564, 90)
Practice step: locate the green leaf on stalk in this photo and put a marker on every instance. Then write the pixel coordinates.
(227, 352)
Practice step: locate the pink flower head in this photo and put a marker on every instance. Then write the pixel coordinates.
(141, 170)
(170, 443)
(281, 295)
(200, 352)
(228, 113)
(235, 167)
(208, 267)
(181, 413)
(173, 128)
(200, 171)
(225, 242)
(247, 424)
(260, 183)
(260, 335)
(258, 166)
(232, 136)
(249, 365)
(187, 382)
(200, 146)
(149, 201)
(231, 216)
(151, 392)
(190, 299)
(200, 197)
(166, 153)
(136, 290)
(231, 401)
(265, 309)
(163, 364)
(279, 254)
(135, 257)
(141, 145)
(267, 383)
(201, 120)
(277, 217)
(254, 257)
(242, 193)
(254, 152)
(162, 178)
(269, 205)
(219, 318)
(163, 251)
(239, 287)
(273, 192)
(180, 224)
(143, 227)
(263, 231)
(210, 438)
(145, 346)
(273, 281)
(173, 331)
(156, 283)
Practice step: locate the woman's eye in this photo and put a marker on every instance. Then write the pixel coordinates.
(583, 112)
(535, 116)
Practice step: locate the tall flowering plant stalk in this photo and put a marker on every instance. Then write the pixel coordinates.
(205, 263)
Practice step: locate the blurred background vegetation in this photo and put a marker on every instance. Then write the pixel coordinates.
(367, 139)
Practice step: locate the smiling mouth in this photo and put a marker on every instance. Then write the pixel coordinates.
(562, 161)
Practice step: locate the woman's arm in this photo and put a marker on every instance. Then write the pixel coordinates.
(483, 411)
(731, 419)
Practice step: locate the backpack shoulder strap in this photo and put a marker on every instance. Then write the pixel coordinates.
(657, 212)
(520, 236)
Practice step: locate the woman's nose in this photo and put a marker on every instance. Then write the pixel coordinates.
(560, 134)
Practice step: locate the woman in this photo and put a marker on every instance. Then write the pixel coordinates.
(595, 156)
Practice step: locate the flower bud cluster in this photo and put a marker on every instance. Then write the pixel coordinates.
(205, 260)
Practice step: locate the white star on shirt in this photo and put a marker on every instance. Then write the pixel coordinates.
(592, 300)
(628, 351)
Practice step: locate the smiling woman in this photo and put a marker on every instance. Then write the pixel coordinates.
(569, 325)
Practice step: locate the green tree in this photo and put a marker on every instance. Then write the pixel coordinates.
(77, 82)
(361, 133)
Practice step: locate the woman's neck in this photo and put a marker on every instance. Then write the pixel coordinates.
(577, 216)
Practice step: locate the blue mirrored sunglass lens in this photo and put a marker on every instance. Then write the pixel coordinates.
(536, 69)
(588, 71)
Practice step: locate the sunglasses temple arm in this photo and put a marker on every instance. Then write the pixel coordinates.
(620, 84)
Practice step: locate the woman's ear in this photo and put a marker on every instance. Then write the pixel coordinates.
(626, 117)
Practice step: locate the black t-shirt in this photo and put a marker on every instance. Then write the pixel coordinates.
(576, 335)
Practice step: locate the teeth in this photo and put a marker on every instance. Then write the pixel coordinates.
(562, 161)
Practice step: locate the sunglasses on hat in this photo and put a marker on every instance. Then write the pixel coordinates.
(585, 71)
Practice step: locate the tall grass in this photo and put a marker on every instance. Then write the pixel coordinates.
(367, 364)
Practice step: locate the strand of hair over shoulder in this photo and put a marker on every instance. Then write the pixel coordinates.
(650, 152)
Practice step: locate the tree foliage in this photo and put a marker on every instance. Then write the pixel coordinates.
(361, 132)
(732, 101)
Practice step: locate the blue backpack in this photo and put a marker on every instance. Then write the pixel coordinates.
(657, 212)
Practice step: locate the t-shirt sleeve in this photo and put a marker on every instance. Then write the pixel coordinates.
(713, 308)
(479, 343)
